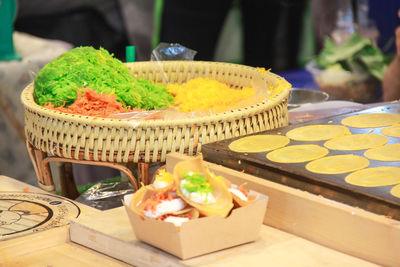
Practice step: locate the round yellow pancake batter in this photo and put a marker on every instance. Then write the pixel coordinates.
(371, 120)
(395, 191)
(356, 142)
(297, 153)
(371, 177)
(337, 164)
(317, 132)
(384, 153)
(259, 143)
(393, 131)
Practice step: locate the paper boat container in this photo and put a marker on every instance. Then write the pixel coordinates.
(203, 235)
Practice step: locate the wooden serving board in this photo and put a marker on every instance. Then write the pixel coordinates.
(318, 232)
(375, 199)
(110, 233)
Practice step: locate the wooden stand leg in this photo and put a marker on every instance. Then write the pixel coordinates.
(48, 183)
(143, 173)
(67, 182)
(32, 155)
(41, 167)
(41, 161)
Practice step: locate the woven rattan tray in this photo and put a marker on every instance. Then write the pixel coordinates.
(114, 140)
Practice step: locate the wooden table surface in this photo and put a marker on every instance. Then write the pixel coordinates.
(54, 248)
(48, 248)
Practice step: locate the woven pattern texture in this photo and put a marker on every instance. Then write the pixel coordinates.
(114, 140)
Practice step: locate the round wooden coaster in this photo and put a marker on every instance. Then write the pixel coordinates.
(24, 213)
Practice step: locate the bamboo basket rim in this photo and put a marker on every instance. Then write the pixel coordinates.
(29, 102)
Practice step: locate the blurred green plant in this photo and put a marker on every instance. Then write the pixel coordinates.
(357, 55)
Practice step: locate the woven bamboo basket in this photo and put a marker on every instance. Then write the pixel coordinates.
(115, 140)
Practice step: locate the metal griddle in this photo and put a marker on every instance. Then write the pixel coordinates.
(374, 199)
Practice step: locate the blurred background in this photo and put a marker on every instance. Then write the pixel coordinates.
(284, 35)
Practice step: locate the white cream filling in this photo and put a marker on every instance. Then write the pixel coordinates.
(165, 207)
(160, 184)
(202, 198)
(177, 221)
(238, 193)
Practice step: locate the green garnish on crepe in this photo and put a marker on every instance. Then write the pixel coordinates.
(214, 199)
(196, 186)
(196, 182)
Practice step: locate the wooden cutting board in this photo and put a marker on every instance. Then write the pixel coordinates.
(24, 213)
(318, 232)
(375, 199)
(110, 233)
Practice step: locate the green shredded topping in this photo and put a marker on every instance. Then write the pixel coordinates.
(196, 182)
(58, 81)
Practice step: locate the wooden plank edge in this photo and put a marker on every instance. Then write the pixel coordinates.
(135, 253)
(350, 230)
(352, 198)
(19, 246)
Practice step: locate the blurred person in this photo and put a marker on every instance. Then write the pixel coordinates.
(391, 77)
(111, 24)
(271, 29)
(324, 16)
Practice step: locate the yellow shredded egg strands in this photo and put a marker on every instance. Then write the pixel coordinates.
(384, 153)
(258, 143)
(165, 177)
(317, 132)
(337, 164)
(371, 120)
(371, 177)
(205, 94)
(356, 142)
(297, 153)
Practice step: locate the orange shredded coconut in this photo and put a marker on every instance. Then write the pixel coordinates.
(91, 103)
(152, 202)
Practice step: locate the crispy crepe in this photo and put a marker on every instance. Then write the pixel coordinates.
(237, 200)
(145, 194)
(223, 198)
(138, 201)
(190, 212)
(163, 181)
